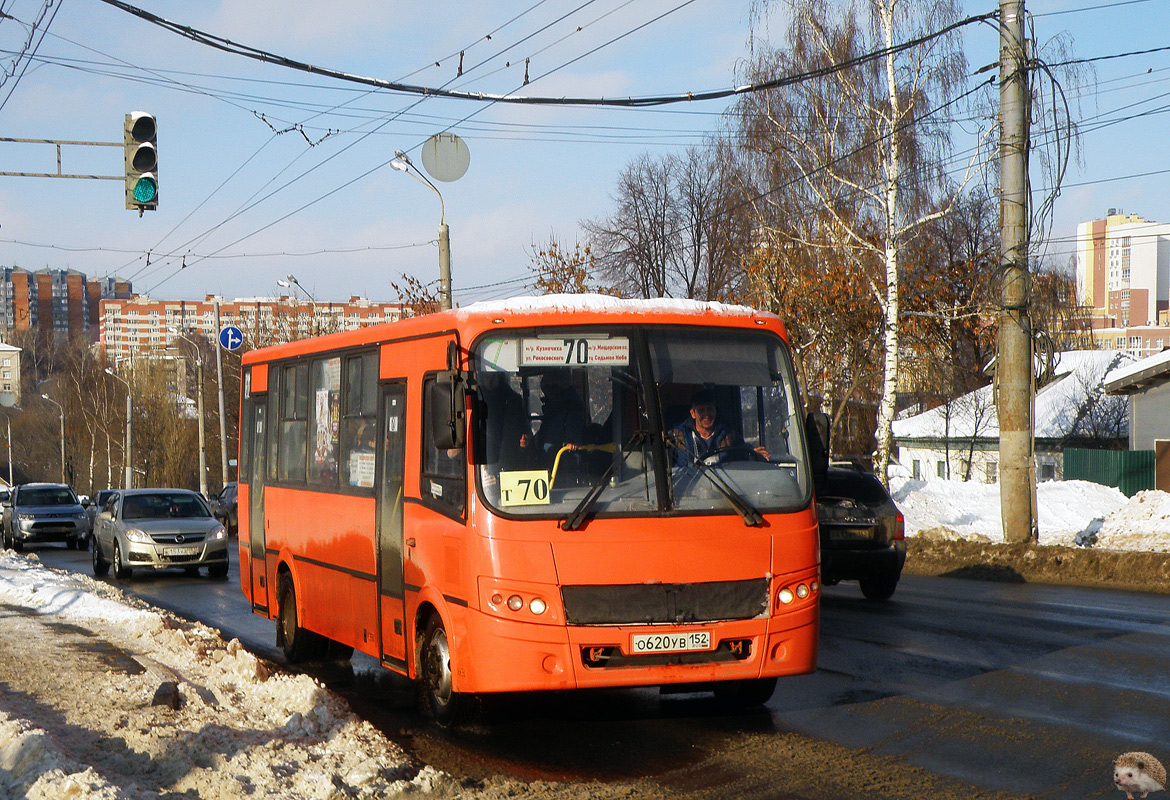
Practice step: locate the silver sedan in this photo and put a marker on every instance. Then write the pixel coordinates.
(158, 529)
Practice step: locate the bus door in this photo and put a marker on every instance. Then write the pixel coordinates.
(256, 474)
(391, 583)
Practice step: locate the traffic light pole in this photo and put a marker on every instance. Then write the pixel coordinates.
(59, 173)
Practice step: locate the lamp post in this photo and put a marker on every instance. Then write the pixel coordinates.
(8, 400)
(128, 478)
(61, 409)
(199, 410)
(291, 282)
(402, 163)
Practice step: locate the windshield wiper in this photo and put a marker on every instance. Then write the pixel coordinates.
(742, 507)
(576, 517)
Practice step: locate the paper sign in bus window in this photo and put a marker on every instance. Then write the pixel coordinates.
(524, 488)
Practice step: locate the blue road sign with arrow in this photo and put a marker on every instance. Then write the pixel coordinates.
(231, 337)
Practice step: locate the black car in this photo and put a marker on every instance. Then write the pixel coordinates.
(862, 532)
(224, 506)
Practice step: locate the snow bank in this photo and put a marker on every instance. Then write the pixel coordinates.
(241, 728)
(1065, 510)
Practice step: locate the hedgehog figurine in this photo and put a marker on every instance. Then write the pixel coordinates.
(1138, 773)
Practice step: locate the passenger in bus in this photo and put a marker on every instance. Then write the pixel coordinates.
(563, 415)
(696, 438)
(507, 437)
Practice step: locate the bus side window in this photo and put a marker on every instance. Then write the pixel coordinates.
(294, 423)
(359, 421)
(444, 471)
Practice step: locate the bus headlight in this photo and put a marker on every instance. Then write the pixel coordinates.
(785, 596)
(515, 602)
(537, 606)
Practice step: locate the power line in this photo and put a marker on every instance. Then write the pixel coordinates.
(257, 54)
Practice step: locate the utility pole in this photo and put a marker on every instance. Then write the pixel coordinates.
(1014, 370)
(223, 454)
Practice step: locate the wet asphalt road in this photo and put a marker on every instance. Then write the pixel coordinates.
(1025, 689)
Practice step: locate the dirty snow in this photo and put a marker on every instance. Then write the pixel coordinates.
(244, 728)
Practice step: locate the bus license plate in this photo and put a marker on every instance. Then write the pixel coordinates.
(670, 642)
(180, 551)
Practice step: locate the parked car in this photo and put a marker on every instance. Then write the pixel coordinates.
(158, 529)
(225, 508)
(43, 512)
(862, 532)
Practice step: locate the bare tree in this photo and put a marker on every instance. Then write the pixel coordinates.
(863, 144)
(559, 271)
(679, 229)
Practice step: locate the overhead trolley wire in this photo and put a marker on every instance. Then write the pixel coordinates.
(228, 46)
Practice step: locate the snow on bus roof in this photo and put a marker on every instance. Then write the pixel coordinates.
(600, 303)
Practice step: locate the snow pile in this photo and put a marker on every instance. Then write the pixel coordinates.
(1068, 512)
(241, 727)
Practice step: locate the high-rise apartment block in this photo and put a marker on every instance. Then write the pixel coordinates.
(63, 303)
(141, 326)
(1123, 276)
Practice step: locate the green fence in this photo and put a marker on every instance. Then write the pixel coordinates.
(1131, 471)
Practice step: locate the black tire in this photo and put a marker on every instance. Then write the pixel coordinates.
(17, 545)
(743, 694)
(83, 543)
(101, 567)
(879, 587)
(190, 570)
(121, 571)
(73, 543)
(437, 694)
(298, 644)
(218, 570)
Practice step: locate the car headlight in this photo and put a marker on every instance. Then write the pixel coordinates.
(80, 515)
(219, 534)
(135, 535)
(26, 517)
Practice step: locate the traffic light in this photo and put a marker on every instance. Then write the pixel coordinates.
(141, 135)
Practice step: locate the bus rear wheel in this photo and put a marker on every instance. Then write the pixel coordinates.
(447, 706)
(297, 643)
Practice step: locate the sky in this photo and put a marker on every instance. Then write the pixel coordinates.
(266, 172)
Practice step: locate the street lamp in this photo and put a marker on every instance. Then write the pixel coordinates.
(291, 281)
(62, 410)
(8, 400)
(402, 163)
(129, 473)
(199, 409)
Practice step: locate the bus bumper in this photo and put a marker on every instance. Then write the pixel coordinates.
(518, 656)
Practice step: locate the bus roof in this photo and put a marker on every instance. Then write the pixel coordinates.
(472, 320)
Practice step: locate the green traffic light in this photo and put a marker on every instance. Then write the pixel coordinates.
(145, 190)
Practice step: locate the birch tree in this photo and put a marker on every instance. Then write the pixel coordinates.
(862, 147)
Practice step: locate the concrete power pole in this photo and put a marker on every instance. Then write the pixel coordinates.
(1014, 370)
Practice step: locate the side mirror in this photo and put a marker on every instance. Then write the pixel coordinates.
(106, 515)
(448, 411)
(816, 432)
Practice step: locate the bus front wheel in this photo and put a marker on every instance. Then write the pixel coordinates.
(447, 706)
(297, 643)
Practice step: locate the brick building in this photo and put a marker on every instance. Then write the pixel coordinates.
(140, 325)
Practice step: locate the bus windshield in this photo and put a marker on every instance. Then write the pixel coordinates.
(638, 421)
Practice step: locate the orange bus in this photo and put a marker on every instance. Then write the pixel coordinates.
(507, 497)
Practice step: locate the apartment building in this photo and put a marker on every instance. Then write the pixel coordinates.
(140, 326)
(1123, 276)
(64, 303)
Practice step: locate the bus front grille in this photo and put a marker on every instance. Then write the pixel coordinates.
(664, 603)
